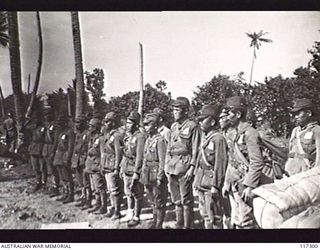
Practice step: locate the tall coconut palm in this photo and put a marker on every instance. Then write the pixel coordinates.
(4, 39)
(256, 40)
(36, 83)
(15, 67)
(78, 63)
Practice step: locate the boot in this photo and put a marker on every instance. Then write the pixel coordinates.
(208, 224)
(188, 215)
(129, 216)
(88, 199)
(161, 212)
(70, 197)
(65, 193)
(116, 215)
(137, 210)
(179, 217)
(54, 192)
(37, 187)
(44, 187)
(97, 205)
(154, 219)
(103, 207)
(110, 212)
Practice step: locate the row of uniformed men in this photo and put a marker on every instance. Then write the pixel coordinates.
(223, 163)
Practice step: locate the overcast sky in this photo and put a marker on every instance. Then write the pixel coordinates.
(185, 49)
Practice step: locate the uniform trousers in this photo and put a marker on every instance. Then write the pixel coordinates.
(157, 195)
(181, 190)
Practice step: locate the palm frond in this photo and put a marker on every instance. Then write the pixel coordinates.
(266, 40)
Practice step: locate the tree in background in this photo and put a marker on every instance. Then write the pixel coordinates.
(78, 63)
(256, 40)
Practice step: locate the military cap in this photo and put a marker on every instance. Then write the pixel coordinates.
(111, 116)
(152, 117)
(181, 102)
(134, 116)
(236, 102)
(224, 112)
(158, 111)
(300, 104)
(94, 122)
(208, 110)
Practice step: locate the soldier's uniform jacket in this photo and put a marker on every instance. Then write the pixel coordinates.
(304, 148)
(80, 150)
(133, 153)
(183, 147)
(247, 172)
(165, 132)
(111, 150)
(154, 159)
(93, 158)
(37, 139)
(64, 148)
(51, 134)
(212, 161)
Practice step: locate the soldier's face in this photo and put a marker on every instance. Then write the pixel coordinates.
(224, 122)
(233, 118)
(302, 117)
(179, 113)
(150, 128)
(206, 124)
(108, 125)
(129, 125)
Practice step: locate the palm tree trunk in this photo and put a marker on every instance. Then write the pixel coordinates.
(15, 67)
(252, 65)
(37, 80)
(141, 82)
(2, 103)
(78, 63)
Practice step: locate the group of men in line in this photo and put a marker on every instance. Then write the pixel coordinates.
(219, 155)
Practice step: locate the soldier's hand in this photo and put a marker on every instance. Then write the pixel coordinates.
(214, 191)
(189, 174)
(121, 174)
(135, 176)
(158, 182)
(116, 172)
(224, 191)
(247, 194)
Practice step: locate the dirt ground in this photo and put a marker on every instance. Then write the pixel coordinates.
(20, 209)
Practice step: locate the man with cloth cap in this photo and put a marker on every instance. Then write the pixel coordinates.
(246, 164)
(62, 158)
(152, 174)
(211, 168)
(131, 165)
(94, 170)
(111, 156)
(304, 144)
(79, 158)
(181, 159)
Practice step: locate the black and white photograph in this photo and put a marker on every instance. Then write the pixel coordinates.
(160, 120)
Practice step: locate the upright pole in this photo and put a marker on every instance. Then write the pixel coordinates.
(29, 79)
(141, 81)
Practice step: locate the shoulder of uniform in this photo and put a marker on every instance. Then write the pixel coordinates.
(191, 123)
(316, 129)
(251, 132)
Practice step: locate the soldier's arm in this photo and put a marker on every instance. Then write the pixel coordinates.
(161, 150)
(139, 153)
(56, 137)
(317, 141)
(256, 165)
(221, 160)
(195, 143)
(94, 150)
(70, 145)
(118, 151)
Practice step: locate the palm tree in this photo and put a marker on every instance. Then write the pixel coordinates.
(15, 67)
(4, 40)
(256, 40)
(36, 83)
(78, 63)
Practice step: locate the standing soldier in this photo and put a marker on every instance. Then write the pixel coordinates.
(181, 159)
(152, 175)
(246, 164)
(211, 168)
(131, 165)
(93, 168)
(50, 141)
(10, 132)
(304, 144)
(35, 151)
(111, 156)
(79, 158)
(162, 129)
(62, 158)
